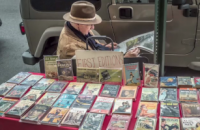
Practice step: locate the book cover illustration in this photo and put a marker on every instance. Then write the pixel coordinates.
(65, 101)
(57, 87)
(65, 70)
(146, 123)
(55, 116)
(197, 81)
(119, 122)
(190, 123)
(169, 109)
(122, 106)
(92, 89)
(131, 75)
(74, 88)
(108, 75)
(190, 109)
(151, 75)
(168, 94)
(83, 101)
(168, 81)
(184, 82)
(169, 123)
(110, 90)
(32, 80)
(43, 84)
(33, 95)
(50, 66)
(18, 78)
(6, 104)
(102, 105)
(48, 99)
(87, 75)
(5, 88)
(18, 91)
(147, 109)
(93, 121)
(74, 117)
(128, 92)
(149, 94)
(188, 94)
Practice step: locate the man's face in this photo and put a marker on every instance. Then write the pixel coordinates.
(85, 29)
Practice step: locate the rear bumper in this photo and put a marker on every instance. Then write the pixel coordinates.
(29, 59)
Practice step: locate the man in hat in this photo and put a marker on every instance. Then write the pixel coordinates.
(80, 23)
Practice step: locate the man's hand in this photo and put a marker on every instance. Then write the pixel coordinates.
(110, 45)
(132, 53)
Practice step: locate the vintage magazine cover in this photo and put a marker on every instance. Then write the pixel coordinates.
(18, 91)
(169, 123)
(43, 84)
(168, 94)
(108, 75)
(110, 90)
(190, 123)
(190, 109)
(93, 121)
(197, 82)
(184, 82)
(151, 75)
(48, 99)
(146, 123)
(87, 75)
(50, 66)
(65, 101)
(188, 95)
(128, 92)
(131, 74)
(18, 78)
(57, 87)
(74, 88)
(5, 88)
(92, 89)
(168, 82)
(32, 80)
(170, 109)
(147, 109)
(74, 117)
(6, 104)
(102, 105)
(119, 122)
(122, 106)
(55, 116)
(149, 94)
(33, 95)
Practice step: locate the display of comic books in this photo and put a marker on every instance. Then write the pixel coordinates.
(131, 74)
(151, 73)
(74, 117)
(147, 109)
(102, 105)
(43, 84)
(188, 95)
(190, 109)
(18, 91)
(128, 92)
(110, 90)
(169, 123)
(54, 116)
(145, 123)
(50, 66)
(122, 106)
(170, 109)
(18, 78)
(33, 95)
(65, 70)
(184, 82)
(93, 121)
(6, 104)
(74, 88)
(32, 80)
(119, 122)
(5, 88)
(168, 94)
(92, 89)
(197, 82)
(169, 82)
(57, 87)
(108, 75)
(87, 75)
(149, 94)
(65, 100)
(48, 99)
(190, 123)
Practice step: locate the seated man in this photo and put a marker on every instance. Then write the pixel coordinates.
(80, 23)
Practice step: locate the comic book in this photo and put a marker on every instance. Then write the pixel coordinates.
(74, 88)
(33, 95)
(87, 75)
(151, 75)
(48, 99)
(102, 105)
(168, 94)
(184, 82)
(74, 117)
(55, 116)
(145, 123)
(57, 87)
(190, 123)
(5, 88)
(170, 109)
(92, 89)
(18, 78)
(188, 95)
(122, 106)
(108, 75)
(170, 82)
(147, 109)
(169, 123)
(43, 84)
(190, 109)
(110, 90)
(149, 94)
(32, 80)
(65, 101)
(128, 92)
(197, 82)
(50, 66)
(6, 104)
(93, 121)
(119, 122)
(132, 74)
(18, 91)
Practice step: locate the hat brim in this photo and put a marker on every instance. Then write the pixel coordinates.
(97, 19)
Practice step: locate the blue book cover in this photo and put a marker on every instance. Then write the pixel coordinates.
(65, 101)
(168, 82)
(132, 76)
